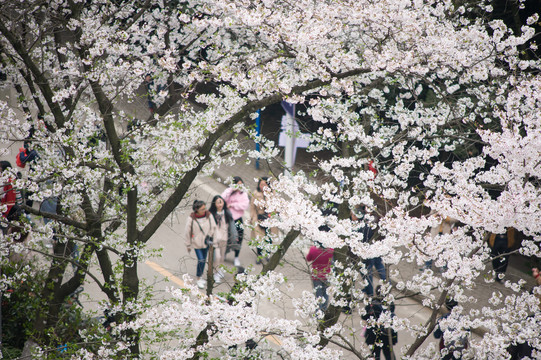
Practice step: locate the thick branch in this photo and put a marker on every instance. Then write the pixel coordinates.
(138, 15)
(431, 323)
(106, 268)
(106, 108)
(279, 254)
(59, 218)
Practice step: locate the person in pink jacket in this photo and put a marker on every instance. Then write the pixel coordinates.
(237, 202)
(200, 224)
(537, 276)
(321, 259)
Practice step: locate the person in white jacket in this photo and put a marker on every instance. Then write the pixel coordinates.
(199, 228)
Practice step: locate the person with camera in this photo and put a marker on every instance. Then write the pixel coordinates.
(200, 229)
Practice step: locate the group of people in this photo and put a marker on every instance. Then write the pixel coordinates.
(320, 259)
(221, 227)
(12, 197)
(379, 338)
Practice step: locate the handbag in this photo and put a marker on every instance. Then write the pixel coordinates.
(209, 240)
(262, 217)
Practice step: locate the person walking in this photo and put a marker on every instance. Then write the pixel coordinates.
(379, 338)
(226, 232)
(258, 214)
(320, 260)
(9, 195)
(373, 263)
(237, 202)
(445, 227)
(199, 231)
(450, 349)
(500, 244)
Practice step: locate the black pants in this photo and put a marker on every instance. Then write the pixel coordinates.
(500, 264)
(240, 230)
(376, 351)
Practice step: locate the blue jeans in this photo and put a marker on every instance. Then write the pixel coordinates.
(380, 268)
(320, 287)
(201, 260)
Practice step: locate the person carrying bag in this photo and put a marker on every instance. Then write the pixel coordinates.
(199, 232)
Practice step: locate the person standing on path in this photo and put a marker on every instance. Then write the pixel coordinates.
(199, 227)
(258, 214)
(8, 195)
(453, 347)
(500, 245)
(378, 337)
(358, 216)
(445, 227)
(321, 259)
(237, 202)
(537, 276)
(226, 231)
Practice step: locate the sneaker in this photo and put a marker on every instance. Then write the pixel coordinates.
(236, 262)
(201, 283)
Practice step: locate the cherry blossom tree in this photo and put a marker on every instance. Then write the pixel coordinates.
(438, 99)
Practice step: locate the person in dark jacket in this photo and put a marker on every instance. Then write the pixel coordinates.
(500, 245)
(379, 338)
(373, 263)
(450, 349)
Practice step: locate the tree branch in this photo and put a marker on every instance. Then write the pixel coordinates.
(60, 218)
(41, 80)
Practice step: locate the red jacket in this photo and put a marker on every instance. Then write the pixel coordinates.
(9, 197)
(321, 262)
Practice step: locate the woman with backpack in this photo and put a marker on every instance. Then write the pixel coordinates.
(199, 231)
(226, 231)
